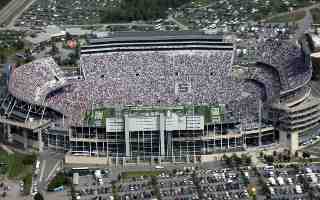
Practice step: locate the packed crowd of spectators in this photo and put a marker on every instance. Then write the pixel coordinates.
(33, 81)
(269, 78)
(184, 62)
(159, 78)
(288, 59)
(149, 78)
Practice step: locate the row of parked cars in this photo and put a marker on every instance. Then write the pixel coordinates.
(288, 185)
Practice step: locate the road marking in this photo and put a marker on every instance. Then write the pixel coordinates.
(53, 170)
(42, 169)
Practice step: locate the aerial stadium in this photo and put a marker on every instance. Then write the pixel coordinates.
(176, 97)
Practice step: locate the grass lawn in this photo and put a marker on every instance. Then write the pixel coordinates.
(136, 174)
(8, 51)
(59, 180)
(17, 166)
(296, 16)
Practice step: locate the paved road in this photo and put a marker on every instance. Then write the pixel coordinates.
(20, 11)
(49, 163)
(13, 10)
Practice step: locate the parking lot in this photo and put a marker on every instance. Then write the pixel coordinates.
(181, 183)
(222, 184)
(93, 186)
(292, 183)
(138, 189)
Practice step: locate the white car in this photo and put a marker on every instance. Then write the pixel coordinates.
(159, 167)
(290, 181)
(34, 191)
(298, 189)
(21, 184)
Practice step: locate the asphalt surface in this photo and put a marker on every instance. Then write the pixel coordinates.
(49, 165)
(11, 11)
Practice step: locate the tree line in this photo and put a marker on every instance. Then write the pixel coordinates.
(3, 3)
(134, 10)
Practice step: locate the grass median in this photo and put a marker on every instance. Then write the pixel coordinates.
(136, 174)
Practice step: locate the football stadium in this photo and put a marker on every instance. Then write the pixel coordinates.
(176, 97)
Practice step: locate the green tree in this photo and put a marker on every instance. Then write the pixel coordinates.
(246, 159)
(269, 159)
(38, 196)
(29, 159)
(129, 10)
(20, 45)
(261, 154)
(3, 55)
(275, 153)
(306, 155)
(236, 160)
(59, 180)
(227, 160)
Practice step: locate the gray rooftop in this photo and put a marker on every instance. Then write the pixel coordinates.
(155, 35)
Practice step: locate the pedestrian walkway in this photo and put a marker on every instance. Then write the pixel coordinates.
(6, 149)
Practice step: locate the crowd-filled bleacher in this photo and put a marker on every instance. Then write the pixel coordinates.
(288, 59)
(170, 77)
(33, 81)
(150, 78)
(268, 77)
